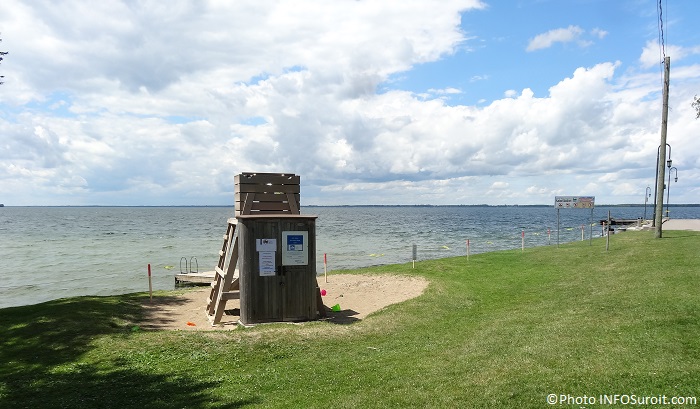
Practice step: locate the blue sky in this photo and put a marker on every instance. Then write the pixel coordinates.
(422, 102)
(499, 35)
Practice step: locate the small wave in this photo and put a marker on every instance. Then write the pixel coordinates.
(25, 287)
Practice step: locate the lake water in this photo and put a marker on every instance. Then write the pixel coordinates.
(55, 252)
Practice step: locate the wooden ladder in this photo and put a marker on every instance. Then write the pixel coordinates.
(225, 285)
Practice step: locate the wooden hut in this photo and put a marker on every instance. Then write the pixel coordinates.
(268, 260)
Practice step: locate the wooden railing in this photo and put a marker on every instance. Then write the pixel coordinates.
(267, 193)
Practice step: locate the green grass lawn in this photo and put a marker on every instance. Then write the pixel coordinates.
(502, 329)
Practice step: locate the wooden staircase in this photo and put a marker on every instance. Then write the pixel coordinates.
(225, 285)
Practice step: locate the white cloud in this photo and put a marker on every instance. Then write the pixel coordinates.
(123, 112)
(558, 35)
(510, 93)
(599, 33)
(445, 91)
(566, 35)
(652, 54)
(330, 139)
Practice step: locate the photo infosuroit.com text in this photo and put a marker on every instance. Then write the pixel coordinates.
(620, 399)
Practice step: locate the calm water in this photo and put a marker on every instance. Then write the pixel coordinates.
(54, 252)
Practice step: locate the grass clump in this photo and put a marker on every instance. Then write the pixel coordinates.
(503, 329)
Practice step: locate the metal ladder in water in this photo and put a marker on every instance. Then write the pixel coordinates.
(188, 267)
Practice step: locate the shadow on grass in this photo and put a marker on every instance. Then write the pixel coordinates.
(41, 348)
(342, 317)
(86, 386)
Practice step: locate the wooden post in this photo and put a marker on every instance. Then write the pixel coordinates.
(325, 267)
(658, 216)
(558, 228)
(590, 229)
(150, 285)
(607, 233)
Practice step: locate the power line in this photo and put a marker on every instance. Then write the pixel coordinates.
(661, 39)
(662, 42)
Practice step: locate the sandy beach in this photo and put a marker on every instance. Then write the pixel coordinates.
(357, 296)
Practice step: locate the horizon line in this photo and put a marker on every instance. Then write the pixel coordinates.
(368, 205)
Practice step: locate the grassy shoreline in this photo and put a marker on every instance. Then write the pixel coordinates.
(502, 329)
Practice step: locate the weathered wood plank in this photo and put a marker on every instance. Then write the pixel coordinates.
(247, 203)
(268, 188)
(293, 204)
(275, 178)
(268, 197)
(195, 278)
(270, 206)
(266, 206)
(235, 285)
(252, 206)
(219, 271)
(231, 295)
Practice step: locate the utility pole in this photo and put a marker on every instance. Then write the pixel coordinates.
(658, 216)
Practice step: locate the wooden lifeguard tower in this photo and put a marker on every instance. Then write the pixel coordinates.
(268, 256)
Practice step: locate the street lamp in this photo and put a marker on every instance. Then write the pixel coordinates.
(668, 191)
(647, 194)
(656, 182)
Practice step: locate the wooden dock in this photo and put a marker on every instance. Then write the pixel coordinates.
(621, 222)
(203, 278)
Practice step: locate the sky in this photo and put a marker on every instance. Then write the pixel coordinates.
(457, 102)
